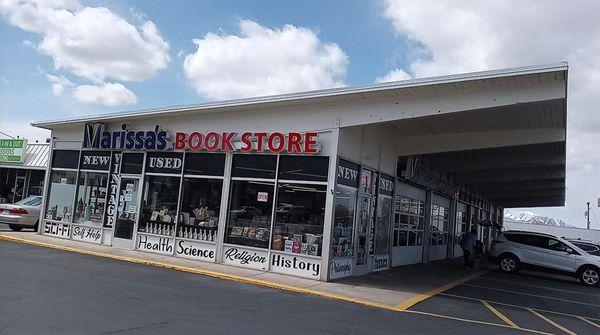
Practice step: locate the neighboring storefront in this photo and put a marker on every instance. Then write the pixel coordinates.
(308, 184)
(22, 169)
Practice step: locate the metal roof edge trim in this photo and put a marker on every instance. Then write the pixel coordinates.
(331, 92)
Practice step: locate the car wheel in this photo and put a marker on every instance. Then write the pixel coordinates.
(35, 227)
(508, 263)
(14, 227)
(589, 276)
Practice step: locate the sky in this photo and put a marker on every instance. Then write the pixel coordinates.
(66, 58)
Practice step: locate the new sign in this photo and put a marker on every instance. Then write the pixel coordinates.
(12, 151)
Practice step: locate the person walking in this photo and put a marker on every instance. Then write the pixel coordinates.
(468, 245)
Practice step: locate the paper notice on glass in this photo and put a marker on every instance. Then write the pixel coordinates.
(128, 196)
(63, 180)
(262, 197)
(129, 188)
(132, 209)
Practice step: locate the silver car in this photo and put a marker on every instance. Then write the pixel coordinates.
(22, 214)
(520, 249)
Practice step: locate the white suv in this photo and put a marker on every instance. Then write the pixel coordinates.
(520, 249)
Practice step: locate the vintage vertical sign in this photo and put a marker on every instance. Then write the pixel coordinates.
(113, 189)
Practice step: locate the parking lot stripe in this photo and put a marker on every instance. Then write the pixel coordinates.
(517, 306)
(477, 321)
(423, 296)
(588, 321)
(538, 286)
(531, 294)
(551, 322)
(499, 314)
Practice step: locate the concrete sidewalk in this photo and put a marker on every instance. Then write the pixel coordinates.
(396, 289)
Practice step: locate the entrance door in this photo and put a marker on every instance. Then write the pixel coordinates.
(127, 212)
(366, 212)
(19, 189)
(460, 227)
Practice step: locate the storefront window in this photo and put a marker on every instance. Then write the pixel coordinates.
(249, 218)
(199, 217)
(346, 193)
(159, 206)
(36, 183)
(62, 194)
(312, 168)
(439, 225)
(131, 163)
(91, 198)
(254, 166)
(409, 217)
(67, 159)
(343, 224)
(384, 211)
(299, 218)
(204, 164)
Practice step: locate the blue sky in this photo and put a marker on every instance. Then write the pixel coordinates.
(358, 27)
(62, 58)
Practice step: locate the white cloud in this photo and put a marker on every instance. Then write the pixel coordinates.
(463, 36)
(109, 94)
(60, 85)
(91, 42)
(263, 61)
(394, 75)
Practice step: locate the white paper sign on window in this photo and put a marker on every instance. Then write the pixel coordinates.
(381, 262)
(194, 250)
(87, 234)
(57, 229)
(340, 268)
(249, 258)
(155, 244)
(296, 265)
(262, 197)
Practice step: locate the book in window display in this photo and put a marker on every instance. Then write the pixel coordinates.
(201, 224)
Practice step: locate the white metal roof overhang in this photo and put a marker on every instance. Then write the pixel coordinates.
(511, 153)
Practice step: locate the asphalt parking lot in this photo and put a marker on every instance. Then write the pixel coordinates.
(545, 303)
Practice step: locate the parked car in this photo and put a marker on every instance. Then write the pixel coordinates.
(22, 214)
(587, 246)
(519, 249)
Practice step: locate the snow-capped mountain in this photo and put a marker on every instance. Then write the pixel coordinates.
(516, 216)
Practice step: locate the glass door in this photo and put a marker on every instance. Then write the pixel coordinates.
(19, 192)
(366, 214)
(127, 212)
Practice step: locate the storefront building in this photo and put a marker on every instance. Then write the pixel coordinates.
(22, 169)
(321, 185)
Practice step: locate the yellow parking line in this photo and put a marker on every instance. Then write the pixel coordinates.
(551, 322)
(499, 314)
(424, 296)
(588, 321)
(516, 306)
(477, 322)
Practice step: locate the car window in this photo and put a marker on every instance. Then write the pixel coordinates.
(554, 244)
(30, 201)
(535, 241)
(586, 247)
